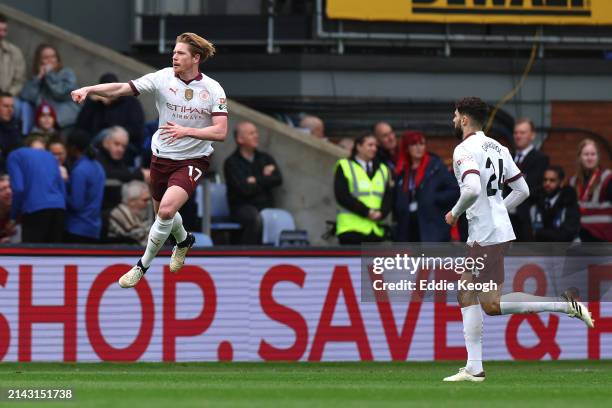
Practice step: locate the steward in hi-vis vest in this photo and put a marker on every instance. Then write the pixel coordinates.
(362, 189)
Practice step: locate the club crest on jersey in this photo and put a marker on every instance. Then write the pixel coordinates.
(204, 95)
(188, 94)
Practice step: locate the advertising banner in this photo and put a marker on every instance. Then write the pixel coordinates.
(554, 12)
(255, 305)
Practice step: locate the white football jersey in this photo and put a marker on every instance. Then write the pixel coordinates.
(191, 104)
(488, 220)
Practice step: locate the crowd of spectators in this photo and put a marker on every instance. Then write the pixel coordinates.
(424, 189)
(77, 174)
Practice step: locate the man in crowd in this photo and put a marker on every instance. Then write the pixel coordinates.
(315, 125)
(250, 175)
(8, 227)
(39, 195)
(10, 128)
(387, 144)
(131, 220)
(12, 64)
(555, 216)
(532, 164)
(111, 156)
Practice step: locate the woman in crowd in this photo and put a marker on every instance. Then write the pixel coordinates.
(52, 83)
(363, 192)
(425, 189)
(594, 190)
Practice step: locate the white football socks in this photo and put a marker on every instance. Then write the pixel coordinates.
(159, 233)
(519, 303)
(472, 332)
(178, 231)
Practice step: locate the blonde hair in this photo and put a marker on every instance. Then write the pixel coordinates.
(197, 45)
(580, 170)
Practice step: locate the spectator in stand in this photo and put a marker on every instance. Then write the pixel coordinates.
(112, 157)
(57, 147)
(314, 125)
(52, 83)
(251, 175)
(85, 191)
(532, 164)
(39, 195)
(12, 64)
(593, 186)
(424, 190)
(363, 191)
(35, 142)
(45, 121)
(8, 227)
(555, 216)
(10, 129)
(131, 220)
(387, 144)
(347, 144)
(101, 112)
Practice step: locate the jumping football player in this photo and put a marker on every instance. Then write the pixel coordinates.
(192, 114)
(481, 165)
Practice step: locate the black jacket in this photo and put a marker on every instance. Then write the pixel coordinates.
(533, 167)
(125, 112)
(352, 204)
(259, 194)
(117, 173)
(10, 139)
(558, 223)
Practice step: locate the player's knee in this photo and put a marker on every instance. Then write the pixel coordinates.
(491, 308)
(465, 298)
(166, 212)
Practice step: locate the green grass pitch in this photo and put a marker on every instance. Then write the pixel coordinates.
(278, 385)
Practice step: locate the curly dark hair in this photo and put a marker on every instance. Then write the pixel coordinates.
(473, 107)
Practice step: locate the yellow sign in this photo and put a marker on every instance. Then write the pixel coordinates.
(580, 12)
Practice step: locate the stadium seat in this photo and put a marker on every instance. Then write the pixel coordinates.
(275, 220)
(293, 238)
(202, 240)
(219, 208)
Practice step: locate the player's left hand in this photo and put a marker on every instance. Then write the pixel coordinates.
(171, 132)
(450, 219)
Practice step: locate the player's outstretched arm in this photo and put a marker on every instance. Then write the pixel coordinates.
(519, 193)
(114, 89)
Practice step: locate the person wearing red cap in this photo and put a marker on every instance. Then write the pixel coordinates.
(45, 121)
(425, 189)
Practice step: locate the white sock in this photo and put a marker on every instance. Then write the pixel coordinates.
(472, 332)
(178, 231)
(519, 303)
(159, 233)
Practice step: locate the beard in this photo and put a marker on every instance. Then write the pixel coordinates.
(458, 132)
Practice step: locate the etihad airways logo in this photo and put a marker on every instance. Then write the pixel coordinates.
(567, 8)
(187, 112)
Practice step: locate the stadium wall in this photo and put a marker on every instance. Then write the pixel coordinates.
(306, 163)
(254, 305)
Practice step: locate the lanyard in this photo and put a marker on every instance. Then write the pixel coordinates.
(583, 193)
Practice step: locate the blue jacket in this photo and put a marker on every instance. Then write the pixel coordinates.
(435, 196)
(35, 180)
(85, 193)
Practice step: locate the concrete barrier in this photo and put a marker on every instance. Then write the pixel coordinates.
(306, 163)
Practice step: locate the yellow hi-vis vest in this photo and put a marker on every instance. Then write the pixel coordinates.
(369, 191)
